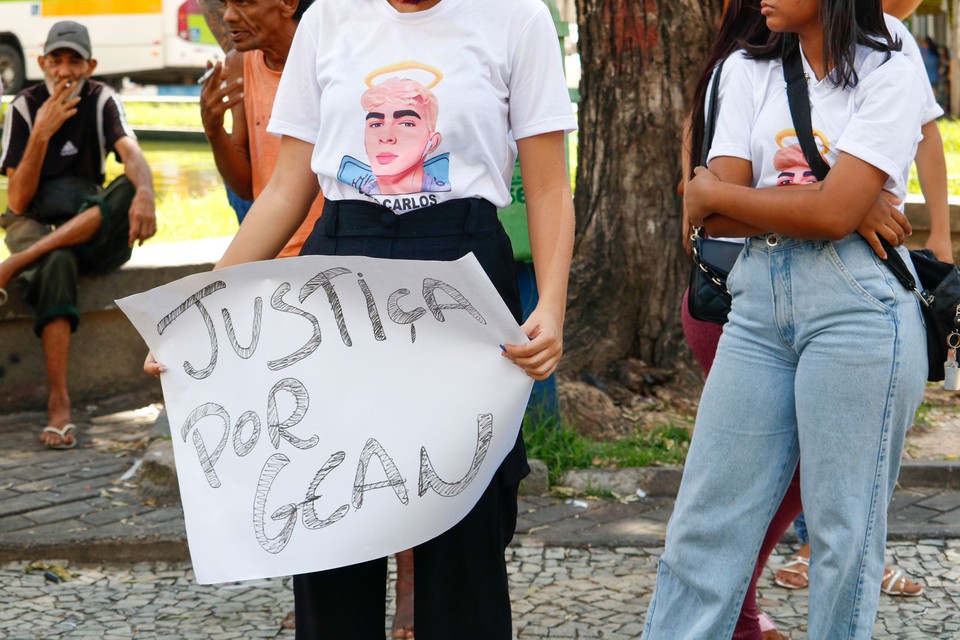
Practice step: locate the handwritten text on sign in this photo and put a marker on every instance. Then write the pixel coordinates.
(330, 410)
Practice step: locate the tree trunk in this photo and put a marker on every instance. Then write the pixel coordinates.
(639, 60)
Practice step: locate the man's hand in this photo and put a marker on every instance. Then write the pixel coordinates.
(216, 99)
(143, 216)
(884, 219)
(56, 110)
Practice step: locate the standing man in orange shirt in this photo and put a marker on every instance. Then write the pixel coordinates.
(261, 32)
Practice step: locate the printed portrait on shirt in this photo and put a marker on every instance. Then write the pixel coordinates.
(790, 162)
(399, 119)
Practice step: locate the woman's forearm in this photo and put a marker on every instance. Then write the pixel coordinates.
(550, 216)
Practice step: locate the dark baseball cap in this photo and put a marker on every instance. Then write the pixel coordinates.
(68, 35)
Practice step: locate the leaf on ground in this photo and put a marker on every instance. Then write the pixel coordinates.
(60, 572)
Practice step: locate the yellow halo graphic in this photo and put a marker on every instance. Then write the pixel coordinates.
(791, 133)
(406, 65)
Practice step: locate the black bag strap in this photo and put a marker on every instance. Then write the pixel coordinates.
(799, 100)
(709, 129)
(712, 110)
(800, 111)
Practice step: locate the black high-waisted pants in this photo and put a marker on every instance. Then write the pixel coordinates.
(460, 590)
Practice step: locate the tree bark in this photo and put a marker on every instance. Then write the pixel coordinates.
(212, 11)
(639, 61)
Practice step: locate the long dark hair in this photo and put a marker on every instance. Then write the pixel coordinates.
(301, 9)
(846, 23)
(742, 26)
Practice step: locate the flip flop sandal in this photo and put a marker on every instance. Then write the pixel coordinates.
(799, 566)
(68, 429)
(895, 583)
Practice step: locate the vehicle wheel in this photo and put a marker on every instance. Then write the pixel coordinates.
(11, 69)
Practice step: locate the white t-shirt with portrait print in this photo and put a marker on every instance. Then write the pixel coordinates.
(931, 109)
(877, 121)
(413, 109)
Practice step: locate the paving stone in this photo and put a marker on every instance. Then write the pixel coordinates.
(946, 501)
(15, 523)
(21, 504)
(59, 512)
(949, 519)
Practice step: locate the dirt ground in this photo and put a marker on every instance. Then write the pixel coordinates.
(936, 432)
(631, 394)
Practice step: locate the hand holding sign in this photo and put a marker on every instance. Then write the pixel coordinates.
(330, 410)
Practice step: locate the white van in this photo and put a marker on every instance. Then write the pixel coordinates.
(151, 41)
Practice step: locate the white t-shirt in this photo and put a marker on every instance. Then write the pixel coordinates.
(413, 109)
(931, 110)
(877, 121)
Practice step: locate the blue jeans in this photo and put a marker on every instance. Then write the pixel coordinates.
(800, 528)
(240, 206)
(544, 405)
(823, 359)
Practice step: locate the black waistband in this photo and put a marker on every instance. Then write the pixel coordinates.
(452, 218)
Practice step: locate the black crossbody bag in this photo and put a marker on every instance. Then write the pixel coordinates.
(939, 288)
(709, 299)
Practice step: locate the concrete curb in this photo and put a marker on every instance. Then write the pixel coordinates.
(665, 481)
(169, 548)
(945, 475)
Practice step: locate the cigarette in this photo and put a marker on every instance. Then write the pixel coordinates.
(206, 74)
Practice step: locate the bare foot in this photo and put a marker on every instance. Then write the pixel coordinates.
(795, 574)
(289, 621)
(896, 583)
(403, 619)
(59, 416)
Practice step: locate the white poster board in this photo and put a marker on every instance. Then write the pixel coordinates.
(330, 410)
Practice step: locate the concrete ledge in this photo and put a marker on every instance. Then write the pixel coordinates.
(169, 134)
(538, 482)
(119, 550)
(106, 353)
(945, 475)
(654, 481)
(665, 481)
(916, 211)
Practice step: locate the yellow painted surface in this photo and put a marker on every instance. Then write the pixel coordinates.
(56, 8)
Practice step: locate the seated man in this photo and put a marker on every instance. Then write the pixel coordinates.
(59, 220)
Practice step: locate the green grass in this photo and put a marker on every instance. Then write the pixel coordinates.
(191, 201)
(950, 132)
(167, 114)
(563, 448)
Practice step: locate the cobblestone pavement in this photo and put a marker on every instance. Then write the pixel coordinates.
(557, 592)
(579, 568)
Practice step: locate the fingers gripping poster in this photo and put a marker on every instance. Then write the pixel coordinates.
(330, 410)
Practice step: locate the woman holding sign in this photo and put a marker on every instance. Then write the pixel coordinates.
(408, 114)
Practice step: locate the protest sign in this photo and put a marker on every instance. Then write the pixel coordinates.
(330, 410)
